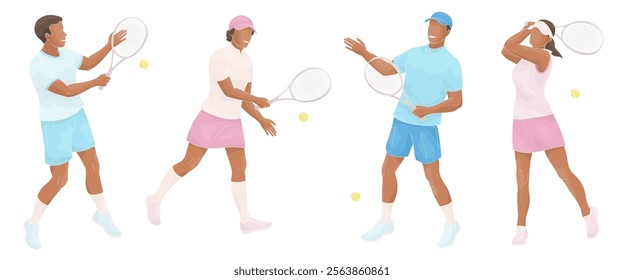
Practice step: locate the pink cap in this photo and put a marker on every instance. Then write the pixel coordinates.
(241, 22)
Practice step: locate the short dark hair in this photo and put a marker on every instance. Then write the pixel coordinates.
(42, 26)
(448, 27)
(230, 33)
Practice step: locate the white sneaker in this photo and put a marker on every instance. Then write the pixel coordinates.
(591, 221)
(105, 221)
(521, 236)
(448, 237)
(254, 225)
(380, 229)
(32, 235)
(153, 211)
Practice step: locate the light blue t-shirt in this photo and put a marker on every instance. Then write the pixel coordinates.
(45, 70)
(429, 75)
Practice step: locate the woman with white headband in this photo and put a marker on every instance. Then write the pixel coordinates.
(535, 128)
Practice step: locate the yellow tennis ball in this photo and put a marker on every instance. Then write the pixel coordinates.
(575, 93)
(303, 117)
(355, 196)
(144, 63)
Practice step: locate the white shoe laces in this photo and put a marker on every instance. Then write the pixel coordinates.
(106, 220)
(447, 229)
(33, 231)
(590, 222)
(520, 234)
(154, 210)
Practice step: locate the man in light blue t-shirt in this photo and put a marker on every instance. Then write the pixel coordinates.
(64, 123)
(433, 82)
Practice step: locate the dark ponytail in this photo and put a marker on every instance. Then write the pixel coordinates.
(551, 45)
(229, 34)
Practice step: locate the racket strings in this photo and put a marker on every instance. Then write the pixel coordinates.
(583, 37)
(383, 77)
(135, 37)
(310, 85)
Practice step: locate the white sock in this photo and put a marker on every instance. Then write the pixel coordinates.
(40, 207)
(239, 192)
(167, 182)
(448, 213)
(100, 203)
(588, 215)
(520, 229)
(386, 212)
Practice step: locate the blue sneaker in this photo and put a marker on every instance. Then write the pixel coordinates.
(105, 221)
(380, 229)
(450, 230)
(32, 235)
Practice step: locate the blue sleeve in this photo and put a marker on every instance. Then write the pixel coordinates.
(79, 59)
(453, 77)
(74, 58)
(39, 76)
(401, 61)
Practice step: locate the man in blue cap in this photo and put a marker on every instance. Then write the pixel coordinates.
(433, 82)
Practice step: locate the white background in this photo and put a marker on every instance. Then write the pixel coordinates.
(302, 179)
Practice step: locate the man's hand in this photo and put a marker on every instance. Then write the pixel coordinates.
(421, 111)
(102, 80)
(117, 38)
(357, 47)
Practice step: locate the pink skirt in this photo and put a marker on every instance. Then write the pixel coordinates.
(537, 134)
(209, 131)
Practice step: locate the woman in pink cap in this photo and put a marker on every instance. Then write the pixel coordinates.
(534, 127)
(218, 124)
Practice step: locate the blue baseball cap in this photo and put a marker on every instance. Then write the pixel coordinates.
(442, 18)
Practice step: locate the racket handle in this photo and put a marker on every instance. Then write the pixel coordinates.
(257, 107)
(270, 102)
(412, 107)
(110, 71)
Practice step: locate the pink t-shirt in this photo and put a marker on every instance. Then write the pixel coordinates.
(530, 86)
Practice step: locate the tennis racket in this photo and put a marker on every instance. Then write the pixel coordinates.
(581, 37)
(309, 85)
(385, 78)
(135, 39)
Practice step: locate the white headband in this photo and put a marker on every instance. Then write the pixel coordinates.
(542, 27)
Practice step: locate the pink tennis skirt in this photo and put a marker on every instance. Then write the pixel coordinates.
(209, 131)
(537, 134)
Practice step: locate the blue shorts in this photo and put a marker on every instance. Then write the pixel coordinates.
(424, 139)
(63, 137)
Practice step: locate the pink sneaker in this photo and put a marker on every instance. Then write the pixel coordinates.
(591, 221)
(153, 211)
(254, 225)
(521, 236)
